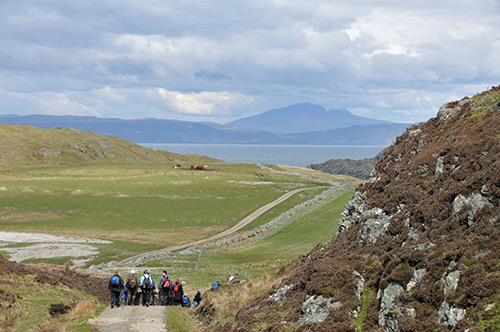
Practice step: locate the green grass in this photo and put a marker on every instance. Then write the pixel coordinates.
(492, 323)
(141, 203)
(283, 207)
(179, 320)
(367, 296)
(483, 104)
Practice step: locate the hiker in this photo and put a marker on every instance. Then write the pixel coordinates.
(178, 292)
(146, 284)
(215, 284)
(186, 302)
(115, 287)
(152, 293)
(197, 299)
(165, 286)
(132, 285)
(124, 294)
(234, 279)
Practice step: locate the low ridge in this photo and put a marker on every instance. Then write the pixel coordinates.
(31, 146)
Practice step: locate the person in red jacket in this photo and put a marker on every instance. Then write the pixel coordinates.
(178, 292)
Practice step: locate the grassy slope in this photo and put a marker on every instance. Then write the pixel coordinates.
(30, 146)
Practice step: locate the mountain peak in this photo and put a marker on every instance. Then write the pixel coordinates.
(303, 117)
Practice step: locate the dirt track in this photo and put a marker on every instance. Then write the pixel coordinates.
(248, 219)
(130, 319)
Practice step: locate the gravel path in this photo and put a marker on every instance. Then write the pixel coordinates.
(130, 319)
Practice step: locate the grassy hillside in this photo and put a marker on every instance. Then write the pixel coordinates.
(32, 146)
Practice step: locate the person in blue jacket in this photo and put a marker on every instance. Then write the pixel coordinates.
(215, 284)
(115, 286)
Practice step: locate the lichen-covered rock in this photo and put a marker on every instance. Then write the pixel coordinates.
(450, 283)
(451, 109)
(417, 277)
(353, 211)
(280, 294)
(449, 315)
(316, 309)
(373, 228)
(388, 306)
(472, 203)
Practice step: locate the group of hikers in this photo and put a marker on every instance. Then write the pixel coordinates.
(165, 292)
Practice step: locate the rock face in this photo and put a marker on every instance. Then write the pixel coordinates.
(417, 248)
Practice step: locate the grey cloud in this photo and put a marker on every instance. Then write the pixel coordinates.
(386, 60)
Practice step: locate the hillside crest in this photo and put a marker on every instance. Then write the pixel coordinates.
(30, 146)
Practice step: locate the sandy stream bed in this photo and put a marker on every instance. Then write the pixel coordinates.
(48, 246)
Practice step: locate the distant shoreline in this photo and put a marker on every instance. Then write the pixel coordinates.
(292, 155)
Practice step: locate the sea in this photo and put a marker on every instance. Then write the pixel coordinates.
(292, 155)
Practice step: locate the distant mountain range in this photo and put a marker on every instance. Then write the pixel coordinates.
(297, 124)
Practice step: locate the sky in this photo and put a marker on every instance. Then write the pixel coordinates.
(221, 60)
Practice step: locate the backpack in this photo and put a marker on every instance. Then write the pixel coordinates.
(176, 287)
(132, 282)
(166, 283)
(147, 283)
(115, 281)
(185, 299)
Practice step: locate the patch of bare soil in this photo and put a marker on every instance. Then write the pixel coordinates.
(130, 318)
(57, 275)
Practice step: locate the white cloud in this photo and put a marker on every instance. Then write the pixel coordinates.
(111, 94)
(393, 49)
(61, 104)
(202, 103)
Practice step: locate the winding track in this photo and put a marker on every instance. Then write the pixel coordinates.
(245, 221)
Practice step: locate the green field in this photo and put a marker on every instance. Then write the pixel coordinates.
(141, 207)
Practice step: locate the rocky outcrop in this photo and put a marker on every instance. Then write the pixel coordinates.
(471, 204)
(360, 169)
(417, 247)
(316, 309)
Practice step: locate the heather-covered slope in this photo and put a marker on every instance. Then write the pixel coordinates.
(418, 244)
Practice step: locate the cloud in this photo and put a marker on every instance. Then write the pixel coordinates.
(61, 104)
(202, 103)
(234, 57)
(110, 94)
